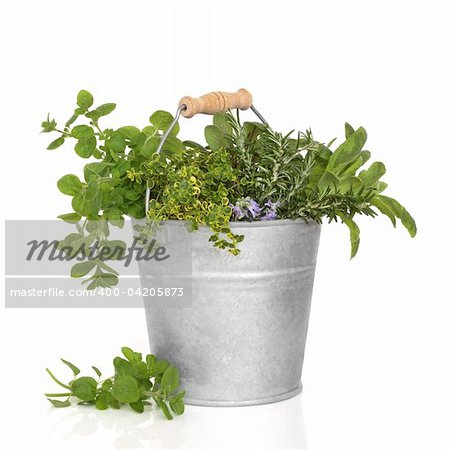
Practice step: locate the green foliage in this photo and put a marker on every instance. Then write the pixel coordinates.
(136, 382)
(201, 184)
(194, 186)
(307, 178)
(70, 185)
(84, 99)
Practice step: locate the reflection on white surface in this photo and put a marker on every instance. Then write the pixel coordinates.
(278, 425)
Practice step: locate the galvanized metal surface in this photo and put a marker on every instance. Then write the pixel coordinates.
(243, 340)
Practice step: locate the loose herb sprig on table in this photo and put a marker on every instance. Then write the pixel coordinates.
(135, 382)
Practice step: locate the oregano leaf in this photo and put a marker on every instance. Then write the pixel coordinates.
(85, 147)
(74, 368)
(126, 389)
(85, 388)
(82, 269)
(69, 184)
(56, 143)
(82, 132)
(162, 120)
(59, 403)
(85, 99)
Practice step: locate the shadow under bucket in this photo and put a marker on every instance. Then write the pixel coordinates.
(242, 340)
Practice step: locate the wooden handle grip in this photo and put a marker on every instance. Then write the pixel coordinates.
(215, 102)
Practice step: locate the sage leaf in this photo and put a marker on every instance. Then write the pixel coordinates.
(215, 137)
(349, 150)
(370, 176)
(381, 186)
(354, 236)
(384, 208)
(221, 122)
(328, 182)
(351, 169)
(400, 212)
(348, 130)
(349, 184)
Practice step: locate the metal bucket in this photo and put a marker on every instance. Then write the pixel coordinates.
(243, 340)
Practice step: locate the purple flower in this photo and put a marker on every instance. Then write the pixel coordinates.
(269, 215)
(254, 209)
(246, 208)
(237, 211)
(273, 206)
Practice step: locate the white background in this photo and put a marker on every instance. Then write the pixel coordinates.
(376, 373)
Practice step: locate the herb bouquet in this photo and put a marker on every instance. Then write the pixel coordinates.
(256, 192)
(244, 172)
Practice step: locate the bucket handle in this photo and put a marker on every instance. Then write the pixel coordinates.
(210, 103)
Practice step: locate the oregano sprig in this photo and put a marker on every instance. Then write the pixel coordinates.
(137, 382)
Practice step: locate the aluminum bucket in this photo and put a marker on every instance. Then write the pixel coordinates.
(242, 341)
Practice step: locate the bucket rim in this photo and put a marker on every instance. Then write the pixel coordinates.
(256, 224)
